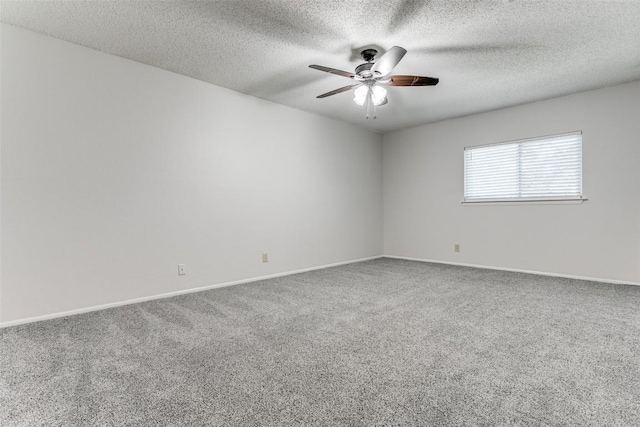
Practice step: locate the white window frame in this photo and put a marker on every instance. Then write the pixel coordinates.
(515, 200)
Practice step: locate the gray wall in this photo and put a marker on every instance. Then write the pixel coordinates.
(423, 188)
(113, 172)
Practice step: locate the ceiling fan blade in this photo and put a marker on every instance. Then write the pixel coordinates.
(412, 81)
(333, 71)
(336, 91)
(389, 60)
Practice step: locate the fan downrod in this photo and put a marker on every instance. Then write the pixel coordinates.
(369, 54)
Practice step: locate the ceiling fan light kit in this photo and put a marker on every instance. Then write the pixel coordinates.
(378, 95)
(371, 75)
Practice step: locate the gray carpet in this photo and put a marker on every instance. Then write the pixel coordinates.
(384, 342)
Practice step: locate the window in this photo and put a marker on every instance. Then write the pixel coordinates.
(547, 168)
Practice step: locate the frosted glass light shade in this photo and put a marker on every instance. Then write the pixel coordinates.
(360, 95)
(378, 95)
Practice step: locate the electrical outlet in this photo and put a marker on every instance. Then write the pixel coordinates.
(182, 269)
(456, 247)
(265, 257)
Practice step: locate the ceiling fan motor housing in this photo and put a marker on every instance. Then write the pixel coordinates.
(363, 70)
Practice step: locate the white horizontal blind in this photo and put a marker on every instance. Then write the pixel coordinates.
(533, 169)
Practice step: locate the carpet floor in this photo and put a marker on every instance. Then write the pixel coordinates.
(384, 342)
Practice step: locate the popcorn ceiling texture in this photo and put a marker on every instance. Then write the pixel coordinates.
(487, 54)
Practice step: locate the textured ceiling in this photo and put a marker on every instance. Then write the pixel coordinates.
(487, 54)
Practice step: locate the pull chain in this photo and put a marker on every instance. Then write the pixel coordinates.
(368, 102)
(371, 107)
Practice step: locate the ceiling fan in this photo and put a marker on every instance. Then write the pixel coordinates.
(371, 75)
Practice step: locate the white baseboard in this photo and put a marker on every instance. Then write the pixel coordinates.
(517, 270)
(173, 294)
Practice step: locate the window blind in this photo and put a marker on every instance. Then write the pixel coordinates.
(533, 169)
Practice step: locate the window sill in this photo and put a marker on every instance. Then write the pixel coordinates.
(550, 201)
